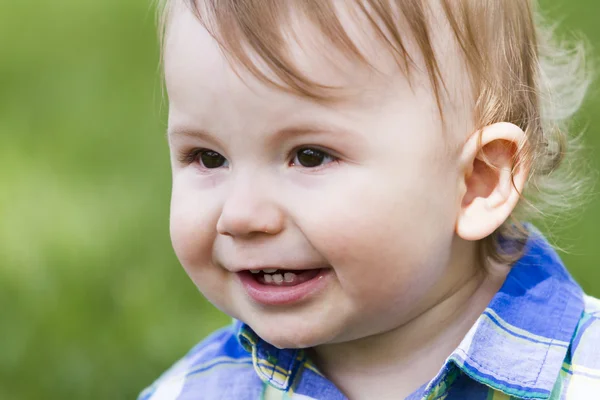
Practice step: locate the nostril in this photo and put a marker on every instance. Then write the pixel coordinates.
(251, 217)
(221, 229)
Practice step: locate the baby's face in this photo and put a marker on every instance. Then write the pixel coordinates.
(354, 203)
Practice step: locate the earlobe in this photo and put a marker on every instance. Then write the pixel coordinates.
(493, 179)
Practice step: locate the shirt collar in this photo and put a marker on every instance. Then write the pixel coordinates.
(277, 367)
(517, 345)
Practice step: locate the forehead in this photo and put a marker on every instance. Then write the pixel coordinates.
(195, 65)
(191, 51)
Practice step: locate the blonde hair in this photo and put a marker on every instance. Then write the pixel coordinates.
(519, 74)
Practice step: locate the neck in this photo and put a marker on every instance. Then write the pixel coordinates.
(395, 363)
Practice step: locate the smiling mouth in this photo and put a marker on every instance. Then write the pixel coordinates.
(278, 287)
(282, 277)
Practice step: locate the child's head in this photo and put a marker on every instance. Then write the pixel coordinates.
(383, 145)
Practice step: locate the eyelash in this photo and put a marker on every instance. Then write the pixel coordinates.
(324, 153)
(192, 156)
(189, 156)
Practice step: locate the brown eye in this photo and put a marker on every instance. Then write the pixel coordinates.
(211, 159)
(311, 158)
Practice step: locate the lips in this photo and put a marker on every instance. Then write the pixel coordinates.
(282, 277)
(271, 286)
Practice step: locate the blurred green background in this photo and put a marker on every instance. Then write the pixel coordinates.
(94, 304)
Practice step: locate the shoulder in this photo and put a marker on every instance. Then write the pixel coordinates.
(581, 371)
(584, 346)
(206, 371)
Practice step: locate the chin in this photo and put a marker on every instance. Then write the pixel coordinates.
(286, 335)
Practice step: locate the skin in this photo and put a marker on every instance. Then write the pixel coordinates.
(395, 213)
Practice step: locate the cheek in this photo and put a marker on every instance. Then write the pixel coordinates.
(192, 227)
(385, 241)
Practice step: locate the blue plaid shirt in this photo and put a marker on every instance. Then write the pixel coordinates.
(539, 338)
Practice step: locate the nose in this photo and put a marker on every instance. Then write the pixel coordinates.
(249, 209)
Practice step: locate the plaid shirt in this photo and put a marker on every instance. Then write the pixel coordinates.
(539, 338)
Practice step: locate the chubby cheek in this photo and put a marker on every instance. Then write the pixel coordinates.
(378, 263)
(192, 228)
(387, 247)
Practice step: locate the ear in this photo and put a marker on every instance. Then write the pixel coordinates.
(492, 180)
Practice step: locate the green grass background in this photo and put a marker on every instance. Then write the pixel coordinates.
(93, 303)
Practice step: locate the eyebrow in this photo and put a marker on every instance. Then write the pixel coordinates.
(314, 129)
(286, 133)
(187, 131)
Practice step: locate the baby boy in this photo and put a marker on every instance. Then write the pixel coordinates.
(352, 182)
